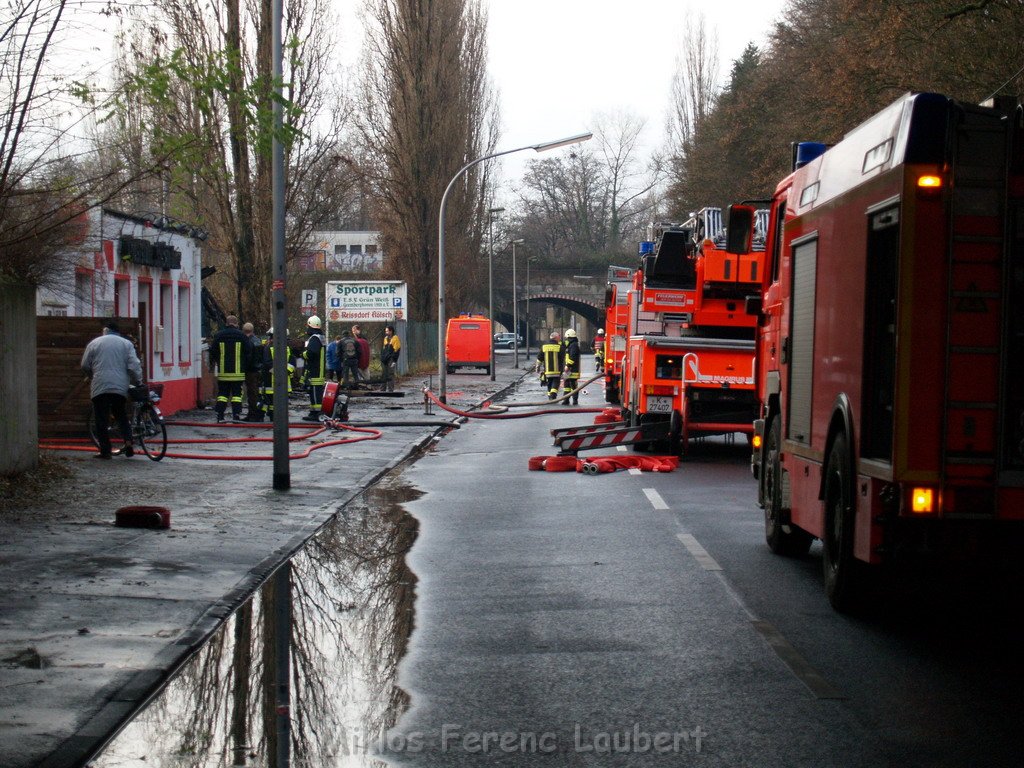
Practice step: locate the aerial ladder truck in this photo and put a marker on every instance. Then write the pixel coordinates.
(689, 360)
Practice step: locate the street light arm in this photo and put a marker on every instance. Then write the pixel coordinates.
(441, 358)
(562, 142)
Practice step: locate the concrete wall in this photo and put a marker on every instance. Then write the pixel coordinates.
(19, 429)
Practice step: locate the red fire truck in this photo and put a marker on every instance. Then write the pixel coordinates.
(690, 350)
(620, 279)
(891, 337)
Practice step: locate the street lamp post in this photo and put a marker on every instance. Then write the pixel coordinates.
(528, 260)
(442, 363)
(490, 277)
(515, 307)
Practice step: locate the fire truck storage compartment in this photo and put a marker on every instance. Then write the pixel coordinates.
(800, 344)
(880, 333)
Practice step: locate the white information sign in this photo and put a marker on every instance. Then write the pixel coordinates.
(308, 304)
(370, 301)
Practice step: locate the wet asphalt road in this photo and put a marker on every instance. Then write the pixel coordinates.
(509, 617)
(640, 620)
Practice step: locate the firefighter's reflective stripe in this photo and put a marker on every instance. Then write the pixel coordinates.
(229, 367)
(550, 355)
(572, 360)
(317, 366)
(268, 378)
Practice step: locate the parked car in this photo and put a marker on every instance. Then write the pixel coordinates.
(507, 340)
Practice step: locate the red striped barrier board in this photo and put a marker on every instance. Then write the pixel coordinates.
(561, 432)
(570, 444)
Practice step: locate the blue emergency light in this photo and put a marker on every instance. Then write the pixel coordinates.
(646, 246)
(806, 151)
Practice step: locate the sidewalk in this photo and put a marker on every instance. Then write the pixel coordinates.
(95, 618)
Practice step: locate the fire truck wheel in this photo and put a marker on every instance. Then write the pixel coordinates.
(796, 542)
(675, 434)
(837, 537)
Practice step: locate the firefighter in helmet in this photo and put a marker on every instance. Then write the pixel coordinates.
(549, 363)
(571, 369)
(230, 354)
(267, 390)
(599, 350)
(315, 355)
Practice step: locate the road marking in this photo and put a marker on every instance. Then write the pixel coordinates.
(655, 498)
(819, 687)
(634, 471)
(801, 669)
(706, 561)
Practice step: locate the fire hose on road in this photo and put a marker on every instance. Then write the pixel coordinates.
(363, 433)
(501, 412)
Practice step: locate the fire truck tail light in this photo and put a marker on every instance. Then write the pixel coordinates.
(660, 389)
(929, 181)
(922, 501)
(755, 441)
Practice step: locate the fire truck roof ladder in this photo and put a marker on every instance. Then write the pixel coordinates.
(975, 301)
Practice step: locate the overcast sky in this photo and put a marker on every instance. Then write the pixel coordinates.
(557, 63)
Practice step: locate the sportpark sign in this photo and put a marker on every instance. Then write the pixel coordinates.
(371, 301)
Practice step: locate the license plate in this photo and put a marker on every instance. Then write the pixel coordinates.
(659, 405)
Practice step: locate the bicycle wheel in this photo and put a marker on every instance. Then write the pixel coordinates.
(152, 434)
(113, 432)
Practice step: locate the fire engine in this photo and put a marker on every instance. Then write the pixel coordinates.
(620, 279)
(690, 350)
(891, 338)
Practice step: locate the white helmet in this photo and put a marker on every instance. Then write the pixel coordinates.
(570, 334)
(313, 322)
(600, 331)
(270, 331)
(554, 335)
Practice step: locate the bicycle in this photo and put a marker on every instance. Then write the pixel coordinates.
(149, 432)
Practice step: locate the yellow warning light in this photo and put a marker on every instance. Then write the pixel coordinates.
(756, 442)
(922, 500)
(929, 181)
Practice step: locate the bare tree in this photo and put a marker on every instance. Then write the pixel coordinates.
(45, 185)
(694, 84)
(579, 209)
(629, 183)
(428, 109)
(204, 72)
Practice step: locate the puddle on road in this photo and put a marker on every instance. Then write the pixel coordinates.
(351, 618)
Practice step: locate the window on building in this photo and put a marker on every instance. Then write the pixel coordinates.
(184, 324)
(356, 250)
(83, 294)
(371, 249)
(122, 297)
(340, 249)
(165, 333)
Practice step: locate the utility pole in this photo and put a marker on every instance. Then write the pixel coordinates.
(490, 278)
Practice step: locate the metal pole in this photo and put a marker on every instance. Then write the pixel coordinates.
(515, 311)
(490, 282)
(527, 307)
(282, 661)
(282, 473)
